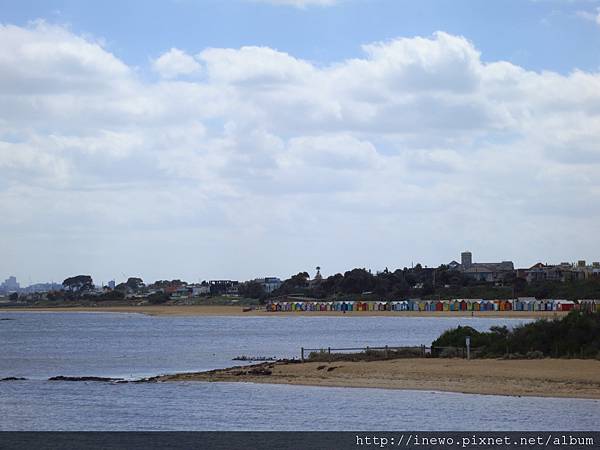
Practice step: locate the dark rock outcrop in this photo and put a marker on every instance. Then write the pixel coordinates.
(99, 379)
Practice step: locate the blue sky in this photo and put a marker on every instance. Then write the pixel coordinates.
(538, 35)
(238, 139)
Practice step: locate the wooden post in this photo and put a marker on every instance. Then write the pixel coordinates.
(328, 353)
(386, 352)
(302, 354)
(468, 345)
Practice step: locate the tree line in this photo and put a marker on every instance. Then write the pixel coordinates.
(415, 282)
(430, 284)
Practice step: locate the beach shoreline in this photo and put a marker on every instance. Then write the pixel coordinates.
(209, 310)
(528, 378)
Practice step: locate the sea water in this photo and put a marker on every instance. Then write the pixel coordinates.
(41, 345)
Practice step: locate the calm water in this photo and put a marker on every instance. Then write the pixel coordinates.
(41, 345)
(38, 345)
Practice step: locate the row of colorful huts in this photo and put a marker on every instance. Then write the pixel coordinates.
(436, 305)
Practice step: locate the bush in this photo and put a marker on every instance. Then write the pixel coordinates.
(450, 352)
(158, 298)
(111, 296)
(457, 337)
(367, 355)
(576, 335)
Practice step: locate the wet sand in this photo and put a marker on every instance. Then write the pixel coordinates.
(201, 310)
(540, 378)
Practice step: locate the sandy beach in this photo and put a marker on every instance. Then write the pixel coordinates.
(202, 310)
(540, 378)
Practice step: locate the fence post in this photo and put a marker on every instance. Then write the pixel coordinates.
(302, 354)
(468, 345)
(386, 352)
(422, 351)
(328, 353)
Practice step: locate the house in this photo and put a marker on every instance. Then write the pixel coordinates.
(483, 272)
(560, 272)
(489, 272)
(542, 272)
(454, 265)
(222, 287)
(200, 289)
(269, 284)
(584, 271)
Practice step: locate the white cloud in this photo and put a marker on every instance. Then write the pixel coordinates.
(590, 16)
(270, 157)
(175, 62)
(330, 152)
(254, 65)
(48, 59)
(299, 3)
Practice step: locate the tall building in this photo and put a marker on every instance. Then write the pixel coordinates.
(10, 285)
(466, 259)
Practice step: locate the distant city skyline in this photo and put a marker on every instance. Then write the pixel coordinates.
(460, 259)
(250, 138)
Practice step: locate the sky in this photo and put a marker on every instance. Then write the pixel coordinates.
(238, 139)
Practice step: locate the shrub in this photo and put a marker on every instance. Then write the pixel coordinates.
(158, 298)
(450, 352)
(535, 354)
(576, 335)
(367, 355)
(457, 337)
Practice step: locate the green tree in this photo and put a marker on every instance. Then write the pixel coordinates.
(78, 283)
(357, 281)
(252, 289)
(295, 284)
(158, 298)
(135, 284)
(113, 295)
(330, 286)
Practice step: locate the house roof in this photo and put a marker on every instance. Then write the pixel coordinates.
(490, 267)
